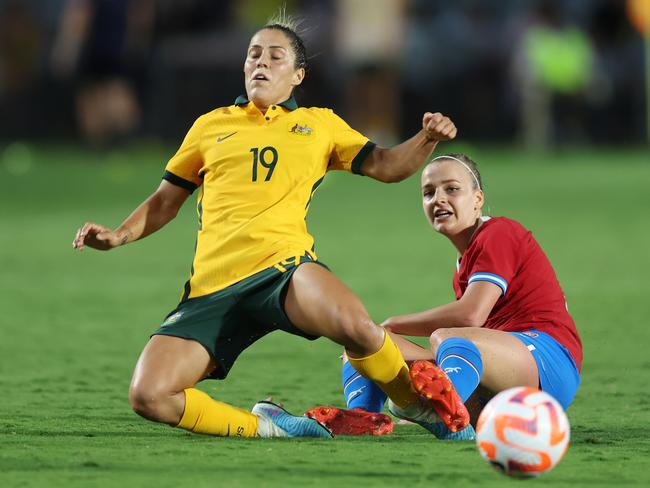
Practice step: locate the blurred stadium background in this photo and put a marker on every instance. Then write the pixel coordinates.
(537, 72)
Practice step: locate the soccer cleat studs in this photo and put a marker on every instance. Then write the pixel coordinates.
(355, 421)
(431, 382)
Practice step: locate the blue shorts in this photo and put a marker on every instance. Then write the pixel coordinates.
(558, 374)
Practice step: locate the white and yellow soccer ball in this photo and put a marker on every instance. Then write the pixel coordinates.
(523, 432)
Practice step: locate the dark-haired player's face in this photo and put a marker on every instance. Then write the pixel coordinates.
(450, 202)
(269, 70)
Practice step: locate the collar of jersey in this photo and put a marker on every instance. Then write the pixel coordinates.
(289, 104)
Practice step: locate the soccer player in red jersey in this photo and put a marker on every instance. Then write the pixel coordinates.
(509, 325)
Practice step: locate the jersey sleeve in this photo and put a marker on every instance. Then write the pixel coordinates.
(349, 147)
(495, 260)
(184, 168)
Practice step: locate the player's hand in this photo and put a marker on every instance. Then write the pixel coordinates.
(96, 236)
(438, 127)
(388, 323)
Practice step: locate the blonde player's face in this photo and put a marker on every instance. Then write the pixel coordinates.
(450, 202)
(269, 70)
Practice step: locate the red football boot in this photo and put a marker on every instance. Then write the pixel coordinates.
(431, 382)
(355, 421)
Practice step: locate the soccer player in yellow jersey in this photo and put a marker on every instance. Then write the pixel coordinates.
(256, 165)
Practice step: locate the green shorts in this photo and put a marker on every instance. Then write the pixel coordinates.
(228, 321)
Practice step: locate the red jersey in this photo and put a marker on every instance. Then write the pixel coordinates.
(506, 254)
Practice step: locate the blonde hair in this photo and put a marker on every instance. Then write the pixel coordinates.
(468, 163)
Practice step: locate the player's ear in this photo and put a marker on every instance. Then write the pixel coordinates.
(479, 199)
(298, 76)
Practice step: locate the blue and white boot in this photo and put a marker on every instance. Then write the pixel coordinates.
(275, 421)
(422, 414)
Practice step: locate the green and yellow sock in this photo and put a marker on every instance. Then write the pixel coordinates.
(204, 415)
(389, 371)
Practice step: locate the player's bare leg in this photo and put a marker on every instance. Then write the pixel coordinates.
(166, 367)
(507, 362)
(162, 390)
(495, 360)
(498, 361)
(320, 304)
(410, 350)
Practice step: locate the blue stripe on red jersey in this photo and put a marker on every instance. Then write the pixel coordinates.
(491, 278)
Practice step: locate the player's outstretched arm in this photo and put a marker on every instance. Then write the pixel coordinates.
(472, 310)
(152, 214)
(399, 162)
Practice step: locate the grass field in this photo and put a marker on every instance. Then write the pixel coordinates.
(73, 324)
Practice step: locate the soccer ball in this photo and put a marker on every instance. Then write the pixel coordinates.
(523, 432)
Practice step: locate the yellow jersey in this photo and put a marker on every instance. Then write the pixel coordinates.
(257, 173)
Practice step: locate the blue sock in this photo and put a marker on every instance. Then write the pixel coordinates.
(462, 362)
(360, 392)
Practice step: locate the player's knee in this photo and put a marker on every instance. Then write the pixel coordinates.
(357, 331)
(148, 401)
(438, 337)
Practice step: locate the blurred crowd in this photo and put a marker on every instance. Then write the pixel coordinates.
(539, 72)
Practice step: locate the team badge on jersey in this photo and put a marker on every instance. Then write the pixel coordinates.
(172, 318)
(301, 130)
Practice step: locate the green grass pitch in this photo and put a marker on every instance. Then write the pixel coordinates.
(72, 324)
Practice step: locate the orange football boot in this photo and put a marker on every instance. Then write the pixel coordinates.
(432, 383)
(355, 421)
